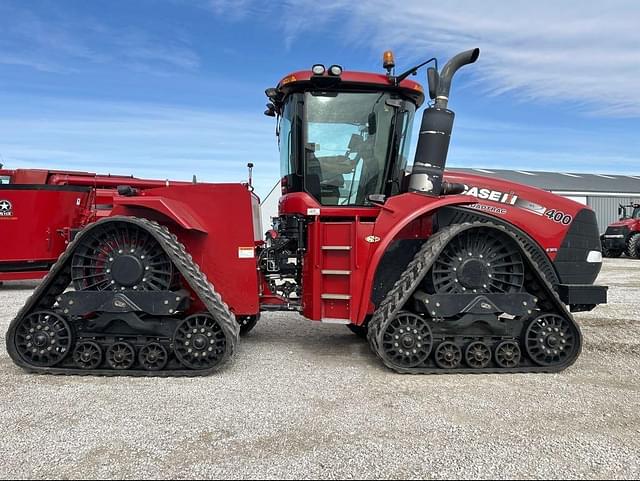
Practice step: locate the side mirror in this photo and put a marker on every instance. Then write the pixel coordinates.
(432, 78)
(271, 110)
(372, 123)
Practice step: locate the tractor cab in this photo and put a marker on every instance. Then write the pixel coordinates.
(343, 136)
(634, 208)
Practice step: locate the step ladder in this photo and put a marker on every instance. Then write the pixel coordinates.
(337, 263)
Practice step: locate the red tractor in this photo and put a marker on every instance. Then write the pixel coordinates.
(623, 236)
(452, 273)
(64, 202)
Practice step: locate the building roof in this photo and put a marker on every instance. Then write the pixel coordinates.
(566, 181)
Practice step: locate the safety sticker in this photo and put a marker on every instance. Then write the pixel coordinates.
(245, 252)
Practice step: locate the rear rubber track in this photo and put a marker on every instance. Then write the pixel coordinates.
(59, 278)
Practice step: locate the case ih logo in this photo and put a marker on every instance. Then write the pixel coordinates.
(5, 208)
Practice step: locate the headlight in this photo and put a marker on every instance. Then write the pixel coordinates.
(594, 257)
(335, 70)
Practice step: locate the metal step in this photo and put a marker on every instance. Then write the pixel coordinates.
(333, 320)
(335, 272)
(341, 297)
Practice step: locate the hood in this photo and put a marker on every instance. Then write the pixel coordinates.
(625, 223)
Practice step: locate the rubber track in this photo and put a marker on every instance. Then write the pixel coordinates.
(59, 278)
(416, 271)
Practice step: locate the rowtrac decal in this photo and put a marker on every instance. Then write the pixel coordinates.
(511, 198)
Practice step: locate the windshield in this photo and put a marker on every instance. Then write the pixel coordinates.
(347, 144)
(636, 213)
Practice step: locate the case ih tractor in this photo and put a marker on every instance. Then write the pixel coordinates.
(40, 210)
(624, 236)
(442, 274)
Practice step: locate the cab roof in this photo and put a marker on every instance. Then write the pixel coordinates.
(349, 80)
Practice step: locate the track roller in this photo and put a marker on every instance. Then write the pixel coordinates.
(153, 356)
(448, 355)
(508, 354)
(87, 355)
(477, 355)
(121, 355)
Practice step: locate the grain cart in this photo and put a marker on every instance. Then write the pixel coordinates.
(442, 274)
(40, 210)
(624, 236)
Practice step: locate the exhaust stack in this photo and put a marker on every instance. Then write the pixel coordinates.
(435, 130)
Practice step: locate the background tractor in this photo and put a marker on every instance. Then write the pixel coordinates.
(441, 273)
(623, 236)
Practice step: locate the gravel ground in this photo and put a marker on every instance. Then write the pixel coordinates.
(303, 400)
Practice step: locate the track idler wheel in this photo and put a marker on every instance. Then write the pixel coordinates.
(448, 355)
(121, 356)
(43, 338)
(477, 355)
(551, 340)
(87, 355)
(508, 354)
(200, 342)
(406, 340)
(153, 356)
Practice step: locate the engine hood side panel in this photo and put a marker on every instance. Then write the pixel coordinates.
(566, 230)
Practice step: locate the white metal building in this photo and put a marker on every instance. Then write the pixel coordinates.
(602, 192)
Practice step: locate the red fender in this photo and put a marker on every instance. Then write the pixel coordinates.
(395, 215)
(175, 210)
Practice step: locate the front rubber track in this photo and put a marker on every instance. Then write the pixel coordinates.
(416, 271)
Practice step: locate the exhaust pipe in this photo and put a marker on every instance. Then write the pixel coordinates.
(435, 131)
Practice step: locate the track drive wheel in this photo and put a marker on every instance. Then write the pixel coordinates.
(479, 260)
(121, 256)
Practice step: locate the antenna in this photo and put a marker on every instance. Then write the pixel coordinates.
(250, 183)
